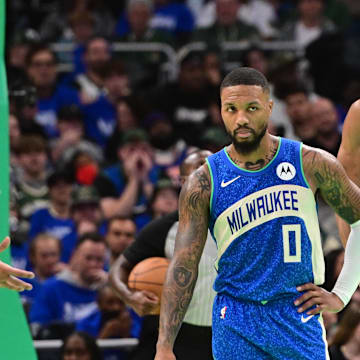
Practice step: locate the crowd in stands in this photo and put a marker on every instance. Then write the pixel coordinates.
(98, 132)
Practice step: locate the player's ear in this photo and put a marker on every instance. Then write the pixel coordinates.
(271, 104)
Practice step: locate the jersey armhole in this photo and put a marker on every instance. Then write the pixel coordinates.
(302, 167)
(213, 187)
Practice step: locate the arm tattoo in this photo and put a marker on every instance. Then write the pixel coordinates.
(333, 183)
(190, 239)
(182, 276)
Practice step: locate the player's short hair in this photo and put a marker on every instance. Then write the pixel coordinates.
(245, 76)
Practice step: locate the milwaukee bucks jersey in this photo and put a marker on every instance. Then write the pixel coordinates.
(265, 225)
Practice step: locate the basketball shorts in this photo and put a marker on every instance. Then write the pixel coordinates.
(274, 330)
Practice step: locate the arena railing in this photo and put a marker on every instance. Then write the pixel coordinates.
(173, 57)
(124, 344)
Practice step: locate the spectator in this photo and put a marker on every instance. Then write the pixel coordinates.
(214, 139)
(119, 235)
(44, 256)
(325, 118)
(111, 319)
(30, 180)
(55, 219)
(100, 116)
(167, 16)
(164, 200)
(41, 70)
(310, 24)
(129, 111)
(139, 13)
(96, 57)
(85, 209)
(14, 138)
(227, 26)
(126, 187)
(56, 25)
(345, 343)
(257, 13)
(84, 163)
(169, 150)
(71, 137)
(23, 104)
(80, 345)
(71, 294)
(188, 100)
(82, 25)
(298, 106)
(143, 67)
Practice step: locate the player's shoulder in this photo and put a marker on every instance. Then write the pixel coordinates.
(196, 191)
(199, 179)
(315, 159)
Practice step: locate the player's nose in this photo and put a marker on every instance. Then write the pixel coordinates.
(241, 119)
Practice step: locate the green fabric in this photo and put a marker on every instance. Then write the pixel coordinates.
(15, 339)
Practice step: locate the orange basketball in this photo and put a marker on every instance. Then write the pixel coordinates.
(149, 275)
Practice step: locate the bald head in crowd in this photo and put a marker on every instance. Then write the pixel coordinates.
(192, 162)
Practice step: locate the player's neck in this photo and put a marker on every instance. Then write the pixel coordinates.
(258, 158)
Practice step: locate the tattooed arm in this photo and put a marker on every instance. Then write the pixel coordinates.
(325, 173)
(182, 273)
(349, 156)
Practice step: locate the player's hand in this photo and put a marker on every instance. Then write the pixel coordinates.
(321, 298)
(8, 273)
(144, 303)
(164, 354)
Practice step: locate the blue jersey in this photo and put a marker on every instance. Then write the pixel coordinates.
(43, 221)
(60, 300)
(265, 225)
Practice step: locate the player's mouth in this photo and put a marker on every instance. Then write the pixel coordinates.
(243, 133)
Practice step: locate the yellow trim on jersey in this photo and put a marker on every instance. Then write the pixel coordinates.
(268, 204)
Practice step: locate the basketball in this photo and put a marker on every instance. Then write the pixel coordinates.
(149, 275)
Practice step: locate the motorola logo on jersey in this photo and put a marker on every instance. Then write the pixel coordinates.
(286, 171)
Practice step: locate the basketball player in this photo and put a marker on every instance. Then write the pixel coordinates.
(157, 239)
(349, 156)
(8, 273)
(257, 198)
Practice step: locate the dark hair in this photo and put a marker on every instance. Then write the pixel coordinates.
(36, 48)
(295, 88)
(90, 344)
(31, 143)
(245, 76)
(94, 38)
(94, 237)
(119, 218)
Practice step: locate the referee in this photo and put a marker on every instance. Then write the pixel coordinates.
(157, 239)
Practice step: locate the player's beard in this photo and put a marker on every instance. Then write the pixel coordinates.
(247, 147)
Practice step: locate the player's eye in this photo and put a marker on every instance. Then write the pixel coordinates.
(231, 109)
(252, 108)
